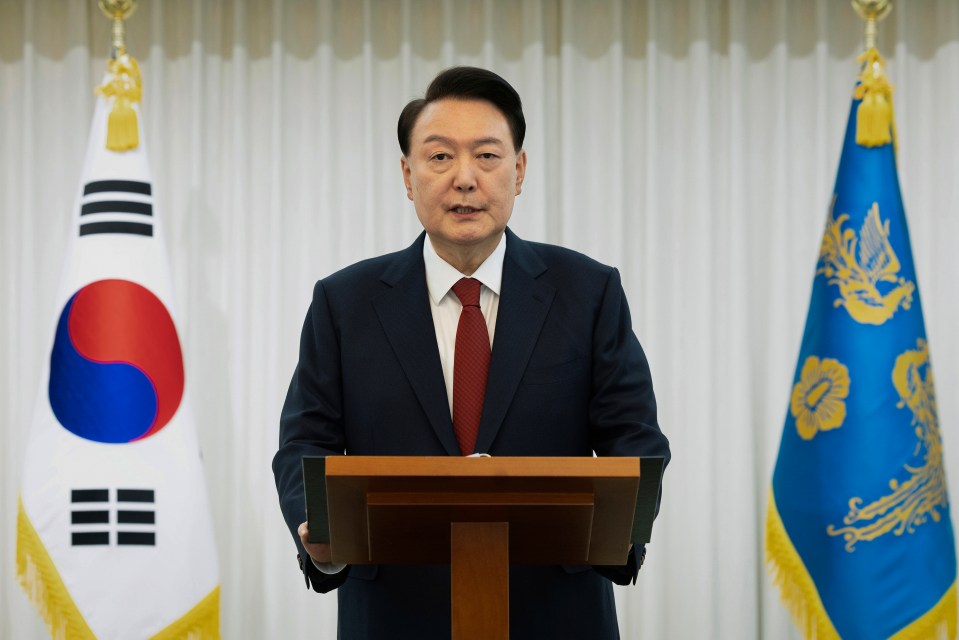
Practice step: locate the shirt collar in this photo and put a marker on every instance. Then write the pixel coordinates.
(441, 275)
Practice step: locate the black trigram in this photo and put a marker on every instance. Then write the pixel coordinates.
(116, 206)
(89, 513)
(93, 517)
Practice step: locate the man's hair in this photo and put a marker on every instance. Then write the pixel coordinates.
(466, 83)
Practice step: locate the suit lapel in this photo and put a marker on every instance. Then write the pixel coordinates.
(404, 313)
(523, 305)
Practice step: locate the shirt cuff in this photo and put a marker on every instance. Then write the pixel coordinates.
(329, 568)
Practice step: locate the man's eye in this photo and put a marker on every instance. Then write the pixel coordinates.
(440, 156)
(487, 156)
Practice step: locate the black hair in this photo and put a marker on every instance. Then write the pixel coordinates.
(466, 83)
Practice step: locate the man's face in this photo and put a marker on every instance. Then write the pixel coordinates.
(462, 175)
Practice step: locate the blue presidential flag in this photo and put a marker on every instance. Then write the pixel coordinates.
(858, 529)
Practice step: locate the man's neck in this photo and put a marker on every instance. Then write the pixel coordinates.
(466, 259)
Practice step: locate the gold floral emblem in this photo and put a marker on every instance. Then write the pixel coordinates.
(859, 264)
(818, 399)
(914, 501)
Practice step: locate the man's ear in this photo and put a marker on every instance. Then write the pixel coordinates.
(407, 179)
(520, 170)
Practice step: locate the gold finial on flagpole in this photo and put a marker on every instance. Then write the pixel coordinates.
(874, 118)
(123, 84)
(117, 11)
(872, 11)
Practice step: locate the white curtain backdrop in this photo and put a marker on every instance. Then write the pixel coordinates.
(691, 143)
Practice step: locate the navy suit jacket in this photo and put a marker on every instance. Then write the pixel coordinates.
(567, 377)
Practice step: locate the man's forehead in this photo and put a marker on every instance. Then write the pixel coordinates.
(456, 119)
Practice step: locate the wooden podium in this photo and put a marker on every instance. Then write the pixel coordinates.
(480, 514)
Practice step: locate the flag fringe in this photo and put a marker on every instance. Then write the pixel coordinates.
(938, 622)
(39, 578)
(202, 622)
(796, 588)
(41, 581)
(801, 598)
(875, 123)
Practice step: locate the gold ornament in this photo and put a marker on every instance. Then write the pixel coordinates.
(123, 84)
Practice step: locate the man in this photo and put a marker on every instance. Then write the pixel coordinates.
(395, 360)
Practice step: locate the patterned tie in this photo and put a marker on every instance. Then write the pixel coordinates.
(470, 365)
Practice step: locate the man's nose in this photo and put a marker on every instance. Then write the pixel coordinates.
(465, 177)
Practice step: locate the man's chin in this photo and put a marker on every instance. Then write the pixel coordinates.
(479, 239)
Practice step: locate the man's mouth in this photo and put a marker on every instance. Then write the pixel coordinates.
(463, 209)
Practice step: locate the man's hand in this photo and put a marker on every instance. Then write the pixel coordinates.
(320, 552)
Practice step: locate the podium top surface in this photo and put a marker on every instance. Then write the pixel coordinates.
(477, 467)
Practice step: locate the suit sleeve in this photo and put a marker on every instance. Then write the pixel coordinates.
(310, 425)
(622, 408)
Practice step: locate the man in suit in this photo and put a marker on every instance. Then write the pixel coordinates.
(387, 368)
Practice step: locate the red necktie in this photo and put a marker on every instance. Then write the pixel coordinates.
(470, 365)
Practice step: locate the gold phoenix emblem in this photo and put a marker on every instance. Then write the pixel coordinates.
(920, 497)
(858, 264)
(818, 399)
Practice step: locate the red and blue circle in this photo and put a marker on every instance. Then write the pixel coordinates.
(116, 372)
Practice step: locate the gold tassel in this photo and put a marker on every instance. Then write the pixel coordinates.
(122, 134)
(125, 87)
(875, 125)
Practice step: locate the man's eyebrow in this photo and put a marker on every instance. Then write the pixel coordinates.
(476, 143)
